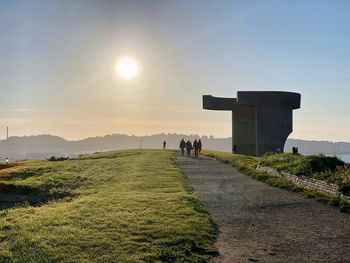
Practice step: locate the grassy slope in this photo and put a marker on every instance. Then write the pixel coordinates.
(127, 206)
(319, 166)
(288, 162)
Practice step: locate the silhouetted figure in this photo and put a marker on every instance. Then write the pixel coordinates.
(234, 148)
(182, 147)
(195, 147)
(295, 150)
(199, 145)
(7, 160)
(164, 145)
(188, 148)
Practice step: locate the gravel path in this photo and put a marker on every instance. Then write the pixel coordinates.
(259, 223)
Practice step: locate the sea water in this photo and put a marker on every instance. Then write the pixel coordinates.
(345, 158)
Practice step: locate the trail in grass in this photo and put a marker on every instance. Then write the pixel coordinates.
(266, 224)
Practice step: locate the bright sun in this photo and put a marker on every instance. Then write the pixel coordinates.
(127, 68)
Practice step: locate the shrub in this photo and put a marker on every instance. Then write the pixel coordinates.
(57, 159)
(302, 165)
(322, 163)
(344, 187)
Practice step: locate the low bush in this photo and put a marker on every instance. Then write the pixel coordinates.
(298, 164)
(322, 163)
(57, 159)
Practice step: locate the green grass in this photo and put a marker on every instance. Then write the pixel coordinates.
(316, 166)
(125, 206)
(321, 167)
(298, 164)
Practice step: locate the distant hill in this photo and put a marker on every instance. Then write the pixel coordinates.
(44, 146)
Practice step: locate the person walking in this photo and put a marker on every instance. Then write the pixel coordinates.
(182, 147)
(234, 148)
(164, 145)
(199, 146)
(188, 148)
(195, 146)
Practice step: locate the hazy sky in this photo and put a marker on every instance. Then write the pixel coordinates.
(57, 64)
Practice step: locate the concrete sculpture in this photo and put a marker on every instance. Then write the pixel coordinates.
(261, 120)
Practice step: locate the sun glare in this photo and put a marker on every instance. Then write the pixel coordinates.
(127, 68)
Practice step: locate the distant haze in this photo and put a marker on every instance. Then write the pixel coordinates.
(44, 146)
(58, 59)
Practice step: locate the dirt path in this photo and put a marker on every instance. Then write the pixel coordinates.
(259, 223)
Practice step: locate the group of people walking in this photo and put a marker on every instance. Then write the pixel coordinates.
(295, 150)
(197, 146)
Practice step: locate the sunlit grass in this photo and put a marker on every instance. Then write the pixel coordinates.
(125, 206)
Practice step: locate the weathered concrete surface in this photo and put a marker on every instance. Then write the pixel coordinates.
(259, 223)
(261, 120)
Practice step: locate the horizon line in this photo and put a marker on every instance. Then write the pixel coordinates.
(150, 135)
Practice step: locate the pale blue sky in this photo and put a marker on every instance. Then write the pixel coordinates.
(57, 64)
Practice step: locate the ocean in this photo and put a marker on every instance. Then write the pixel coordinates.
(345, 158)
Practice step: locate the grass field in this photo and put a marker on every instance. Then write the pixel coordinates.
(124, 206)
(316, 166)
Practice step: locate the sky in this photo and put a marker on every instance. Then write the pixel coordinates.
(57, 64)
